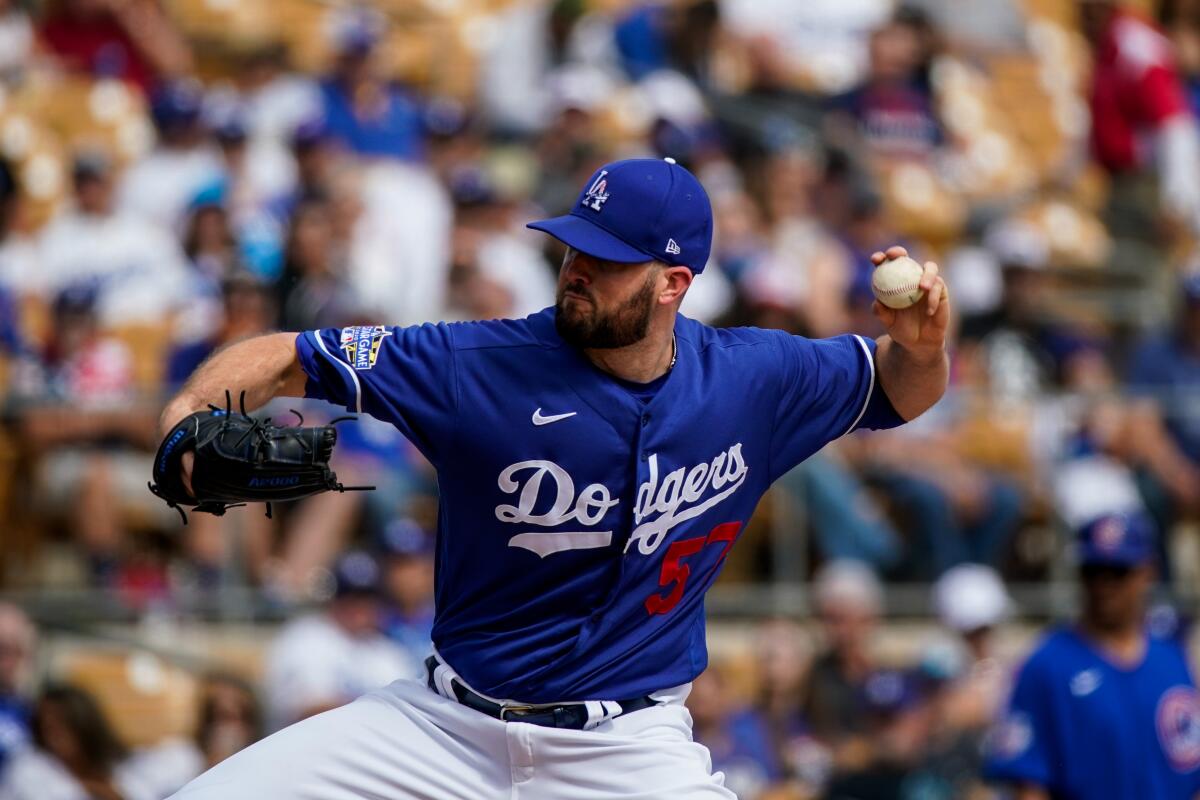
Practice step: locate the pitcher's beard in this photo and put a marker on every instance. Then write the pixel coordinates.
(627, 324)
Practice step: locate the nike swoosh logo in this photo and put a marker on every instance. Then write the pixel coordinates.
(538, 419)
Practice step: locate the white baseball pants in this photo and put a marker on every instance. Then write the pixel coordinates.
(405, 741)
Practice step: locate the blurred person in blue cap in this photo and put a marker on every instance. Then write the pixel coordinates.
(327, 658)
(1102, 708)
(160, 186)
(898, 722)
(571, 446)
(366, 113)
(1164, 372)
(408, 585)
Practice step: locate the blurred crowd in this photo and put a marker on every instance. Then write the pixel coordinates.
(176, 175)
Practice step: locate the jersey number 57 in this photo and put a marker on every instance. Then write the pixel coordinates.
(675, 571)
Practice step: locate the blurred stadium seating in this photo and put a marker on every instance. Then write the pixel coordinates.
(475, 115)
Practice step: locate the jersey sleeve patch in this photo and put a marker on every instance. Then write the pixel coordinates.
(360, 344)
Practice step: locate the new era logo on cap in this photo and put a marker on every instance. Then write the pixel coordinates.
(658, 212)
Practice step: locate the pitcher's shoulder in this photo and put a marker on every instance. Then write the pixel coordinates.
(704, 337)
(536, 330)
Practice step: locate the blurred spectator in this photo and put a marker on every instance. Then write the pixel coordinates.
(87, 427)
(847, 598)
(783, 658)
(229, 719)
(1015, 338)
(18, 255)
(798, 266)
(326, 659)
(273, 99)
(137, 271)
(313, 292)
(77, 754)
(131, 40)
(971, 603)
(1132, 693)
(822, 45)
(363, 111)
(161, 185)
(952, 509)
(892, 113)
(975, 28)
(1141, 119)
(1165, 372)
(498, 271)
(256, 170)
(16, 40)
(737, 738)
(18, 638)
(844, 517)
(408, 587)
(247, 309)
(898, 721)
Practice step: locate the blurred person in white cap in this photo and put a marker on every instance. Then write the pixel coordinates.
(848, 600)
(323, 660)
(971, 601)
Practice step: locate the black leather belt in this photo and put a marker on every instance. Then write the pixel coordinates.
(569, 715)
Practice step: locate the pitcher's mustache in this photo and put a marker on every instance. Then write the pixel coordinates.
(578, 288)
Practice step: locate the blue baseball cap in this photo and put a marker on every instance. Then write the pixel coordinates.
(1121, 540)
(403, 537)
(356, 573)
(640, 209)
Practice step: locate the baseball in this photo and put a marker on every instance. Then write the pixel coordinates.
(896, 283)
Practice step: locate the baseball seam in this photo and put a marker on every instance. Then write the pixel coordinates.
(910, 287)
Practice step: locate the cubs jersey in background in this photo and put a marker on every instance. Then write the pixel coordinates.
(581, 517)
(1084, 728)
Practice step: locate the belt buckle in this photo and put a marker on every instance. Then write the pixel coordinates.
(518, 709)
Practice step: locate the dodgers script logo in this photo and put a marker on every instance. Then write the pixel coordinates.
(361, 344)
(661, 504)
(1178, 723)
(597, 194)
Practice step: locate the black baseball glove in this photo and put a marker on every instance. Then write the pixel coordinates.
(243, 460)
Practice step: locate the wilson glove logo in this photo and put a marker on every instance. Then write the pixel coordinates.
(275, 481)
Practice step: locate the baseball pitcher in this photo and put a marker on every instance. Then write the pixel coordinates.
(596, 463)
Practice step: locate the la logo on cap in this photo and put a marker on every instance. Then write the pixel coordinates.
(596, 194)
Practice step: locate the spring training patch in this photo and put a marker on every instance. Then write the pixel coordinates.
(361, 344)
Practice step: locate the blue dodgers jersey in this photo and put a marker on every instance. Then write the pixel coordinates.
(1083, 728)
(580, 527)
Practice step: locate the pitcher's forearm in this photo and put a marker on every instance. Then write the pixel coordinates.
(264, 367)
(912, 381)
